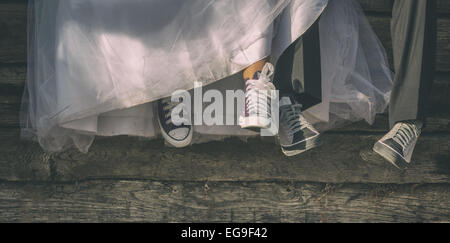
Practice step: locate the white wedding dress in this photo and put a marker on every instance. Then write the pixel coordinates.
(96, 67)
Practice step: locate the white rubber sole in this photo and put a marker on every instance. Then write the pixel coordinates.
(176, 143)
(302, 147)
(255, 122)
(391, 156)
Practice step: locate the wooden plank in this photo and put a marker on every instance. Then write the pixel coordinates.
(443, 44)
(385, 6)
(13, 75)
(378, 6)
(13, 31)
(443, 7)
(21, 162)
(10, 107)
(206, 202)
(344, 158)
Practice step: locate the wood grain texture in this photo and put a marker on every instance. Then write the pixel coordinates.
(377, 6)
(385, 6)
(259, 202)
(344, 158)
(19, 161)
(13, 75)
(13, 32)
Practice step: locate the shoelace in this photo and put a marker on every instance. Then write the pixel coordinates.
(292, 116)
(258, 93)
(406, 133)
(168, 105)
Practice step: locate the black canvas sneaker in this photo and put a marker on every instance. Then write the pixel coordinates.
(178, 136)
(258, 98)
(296, 134)
(398, 145)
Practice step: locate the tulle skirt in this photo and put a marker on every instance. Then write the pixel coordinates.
(96, 67)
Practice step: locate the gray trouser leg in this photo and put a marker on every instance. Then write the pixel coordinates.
(414, 42)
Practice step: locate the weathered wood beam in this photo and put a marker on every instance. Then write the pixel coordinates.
(18, 162)
(13, 32)
(258, 202)
(385, 6)
(378, 6)
(13, 75)
(344, 158)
